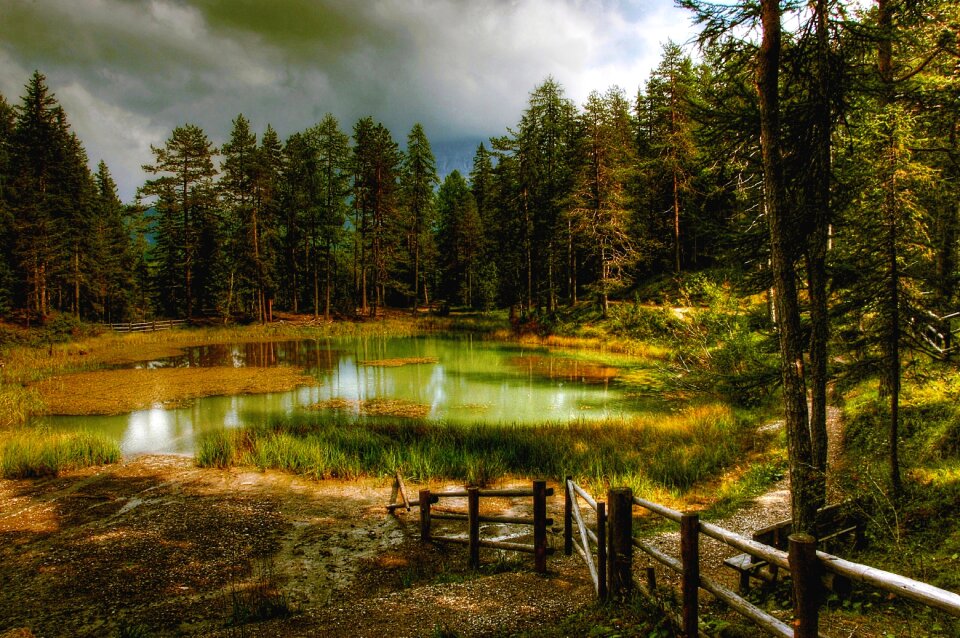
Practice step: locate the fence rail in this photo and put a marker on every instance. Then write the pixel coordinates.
(147, 326)
(614, 543)
(571, 514)
(539, 521)
(807, 566)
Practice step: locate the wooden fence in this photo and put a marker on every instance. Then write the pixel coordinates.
(147, 326)
(588, 537)
(611, 571)
(473, 518)
(808, 567)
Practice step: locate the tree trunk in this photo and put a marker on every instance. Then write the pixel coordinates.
(326, 304)
(803, 505)
(819, 197)
(676, 224)
(891, 340)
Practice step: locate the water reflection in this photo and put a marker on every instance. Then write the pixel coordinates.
(453, 380)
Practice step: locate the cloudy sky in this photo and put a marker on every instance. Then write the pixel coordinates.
(128, 71)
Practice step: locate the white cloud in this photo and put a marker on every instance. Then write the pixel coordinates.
(117, 136)
(128, 72)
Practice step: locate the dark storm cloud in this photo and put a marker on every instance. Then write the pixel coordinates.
(128, 71)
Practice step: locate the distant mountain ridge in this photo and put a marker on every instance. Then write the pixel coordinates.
(456, 155)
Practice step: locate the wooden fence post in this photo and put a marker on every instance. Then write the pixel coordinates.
(620, 542)
(473, 521)
(424, 497)
(601, 551)
(540, 527)
(567, 517)
(690, 557)
(805, 572)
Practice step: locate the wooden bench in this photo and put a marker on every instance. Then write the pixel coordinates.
(834, 523)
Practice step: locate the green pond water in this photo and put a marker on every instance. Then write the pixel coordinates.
(465, 380)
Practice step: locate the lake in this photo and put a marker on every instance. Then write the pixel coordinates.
(436, 379)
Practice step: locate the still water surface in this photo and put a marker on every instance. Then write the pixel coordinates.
(458, 380)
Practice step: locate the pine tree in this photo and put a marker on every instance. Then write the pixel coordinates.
(112, 277)
(418, 179)
(7, 264)
(37, 151)
(187, 225)
(542, 152)
(376, 160)
(483, 188)
(332, 152)
(600, 207)
(298, 196)
(461, 240)
(669, 142)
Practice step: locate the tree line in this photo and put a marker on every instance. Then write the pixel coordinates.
(820, 162)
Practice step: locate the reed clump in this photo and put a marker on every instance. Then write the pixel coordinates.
(669, 452)
(42, 453)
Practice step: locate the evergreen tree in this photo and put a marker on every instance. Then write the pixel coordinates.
(483, 188)
(376, 165)
(600, 210)
(298, 197)
(331, 148)
(112, 280)
(543, 151)
(461, 240)
(36, 154)
(419, 178)
(187, 223)
(668, 144)
(7, 263)
(238, 173)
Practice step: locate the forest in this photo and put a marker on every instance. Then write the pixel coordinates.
(816, 161)
(574, 202)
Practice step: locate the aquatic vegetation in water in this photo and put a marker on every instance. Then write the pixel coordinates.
(119, 391)
(399, 361)
(376, 407)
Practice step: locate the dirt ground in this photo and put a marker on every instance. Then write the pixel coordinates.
(155, 546)
(160, 547)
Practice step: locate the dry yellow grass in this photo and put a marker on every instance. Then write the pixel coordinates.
(119, 391)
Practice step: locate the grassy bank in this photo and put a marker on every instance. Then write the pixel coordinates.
(919, 535)
(36, 454)
(664, 454)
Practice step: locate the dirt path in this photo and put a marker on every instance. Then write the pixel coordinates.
(159, 544)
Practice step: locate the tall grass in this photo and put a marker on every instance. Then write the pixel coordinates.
(671, 452)
(35, 454)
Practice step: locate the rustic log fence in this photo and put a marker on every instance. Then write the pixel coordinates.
(807, 566)
(811, 571)
(587, 537)
(147, 326)
(539, 521)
